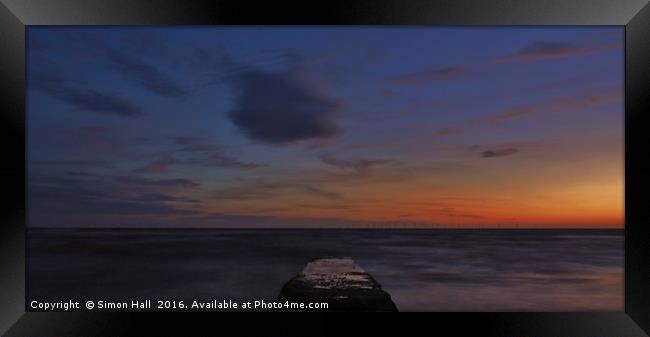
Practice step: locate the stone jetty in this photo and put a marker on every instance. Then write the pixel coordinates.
(341, 283)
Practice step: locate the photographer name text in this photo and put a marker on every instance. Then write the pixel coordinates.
(171, 305)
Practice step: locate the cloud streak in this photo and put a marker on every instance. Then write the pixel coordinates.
(263, 189)
(202, 154)
(544, 50)
(498, 153)
(94, 194)
(163, 183)
(432, 75)
(86, 99)
(212, 160)
(144, 74)
(320, 192)
(127, 60)
(359, 166)
(565, 103)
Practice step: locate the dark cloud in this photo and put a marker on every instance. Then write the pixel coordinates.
(84, 98)
(498, 152)
(431, 75)
(145, 74)
(275, 109)
(269, 107)
(552, 50)
(360, 166)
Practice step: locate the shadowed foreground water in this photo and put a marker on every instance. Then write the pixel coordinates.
(423, 270)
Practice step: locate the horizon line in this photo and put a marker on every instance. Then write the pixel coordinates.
(338, 228)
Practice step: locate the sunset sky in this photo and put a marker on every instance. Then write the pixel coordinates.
(317, 126)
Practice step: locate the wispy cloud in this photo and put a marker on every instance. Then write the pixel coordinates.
(492, 153)
(73, 163)
(85, 99)
(543, 50)
(327, 206)
(359, 166)
(201, 154)
(264, 189)
(454, 212)
(248, 191)
(565, 103)
(193, 144)
(147, 75)
(211, 160)
(109, 194)
(431, 75)
(144, 42)
(320, 192)
(271, 107)
(148, 182)
(127, 60)
(161, 197)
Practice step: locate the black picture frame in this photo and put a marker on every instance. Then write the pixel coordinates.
(15, 15)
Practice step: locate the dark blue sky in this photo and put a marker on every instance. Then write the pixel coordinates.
(260, 126)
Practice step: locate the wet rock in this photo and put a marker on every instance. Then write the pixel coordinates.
(340, 283)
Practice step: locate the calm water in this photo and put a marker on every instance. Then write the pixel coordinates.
(431, 270)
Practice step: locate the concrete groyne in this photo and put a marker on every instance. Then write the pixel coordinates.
(340, 283)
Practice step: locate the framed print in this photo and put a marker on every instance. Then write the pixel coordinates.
(476, 166)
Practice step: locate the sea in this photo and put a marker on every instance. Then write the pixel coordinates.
(422, 269)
